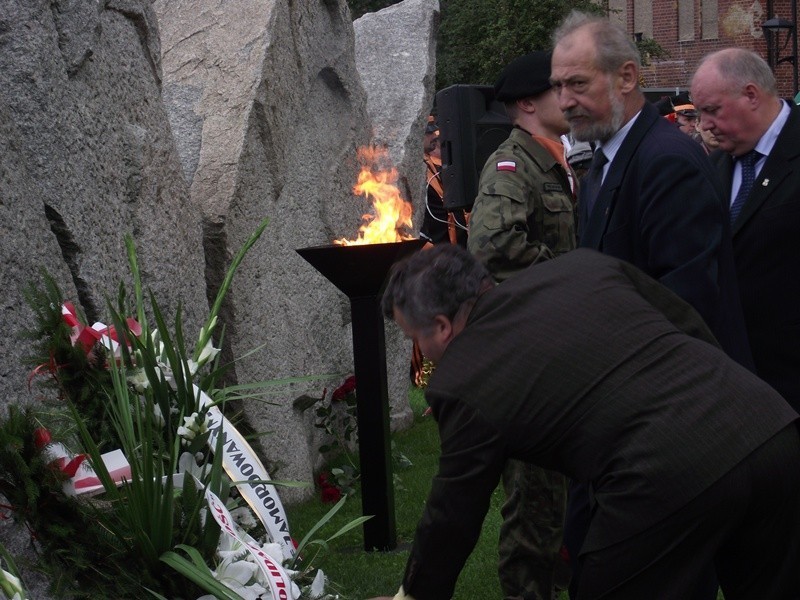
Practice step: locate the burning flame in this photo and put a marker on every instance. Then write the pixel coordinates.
(390, 212)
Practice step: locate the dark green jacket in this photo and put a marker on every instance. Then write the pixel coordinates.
(523, 213)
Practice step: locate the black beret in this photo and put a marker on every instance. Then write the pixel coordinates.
(524, 77)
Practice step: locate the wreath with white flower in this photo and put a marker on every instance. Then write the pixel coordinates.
(166, 498)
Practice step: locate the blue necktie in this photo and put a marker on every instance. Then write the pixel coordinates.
(748, 161)
(594, 179)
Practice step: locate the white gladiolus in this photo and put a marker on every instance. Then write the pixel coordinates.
(138, 379)
(244, 517)
(193, 426)
(193, 366)
(187, 463)
(11, 586)
(208, 353)
(237, 575)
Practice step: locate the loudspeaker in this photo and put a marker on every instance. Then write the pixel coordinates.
(472, 124)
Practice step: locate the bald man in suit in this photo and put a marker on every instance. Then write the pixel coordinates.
(736, 95)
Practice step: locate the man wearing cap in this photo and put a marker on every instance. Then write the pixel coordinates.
(680, 111)
(524, 214)
(686, 118)
(524, 209)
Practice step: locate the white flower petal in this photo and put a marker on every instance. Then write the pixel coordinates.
(244, 517)
(274, 550)
(240, 571)
(318, 585)
(208, 353)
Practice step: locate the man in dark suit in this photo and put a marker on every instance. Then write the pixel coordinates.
(759, 163)
(651, 198)
(656, 201)
(692, 458)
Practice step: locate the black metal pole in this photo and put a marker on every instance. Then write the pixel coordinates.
(374, 439)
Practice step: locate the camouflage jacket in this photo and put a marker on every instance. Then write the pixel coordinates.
(524, 211)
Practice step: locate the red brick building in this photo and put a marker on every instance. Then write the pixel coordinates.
(689, 29)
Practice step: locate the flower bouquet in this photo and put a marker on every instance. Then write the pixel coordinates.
(163, 497)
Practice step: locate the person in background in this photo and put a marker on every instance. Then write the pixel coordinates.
(759, 164)
(579, 157)
(686, 118)
(524, 214)
(651, 198)
(707, 139)
(680, 111)
(438, 225)
(691, 457)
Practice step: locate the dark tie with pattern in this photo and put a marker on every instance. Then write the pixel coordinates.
(748, 161)
(594, 179)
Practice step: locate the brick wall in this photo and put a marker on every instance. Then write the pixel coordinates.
(689, 29)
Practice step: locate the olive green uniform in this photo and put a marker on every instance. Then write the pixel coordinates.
(524, 214)
(524, 210)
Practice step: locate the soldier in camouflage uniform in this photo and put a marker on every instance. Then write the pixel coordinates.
(524, 214)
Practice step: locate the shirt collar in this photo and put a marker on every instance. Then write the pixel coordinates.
(767, 141)
(611, 147)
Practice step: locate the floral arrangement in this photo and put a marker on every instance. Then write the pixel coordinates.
(164, 498)
(336, 416)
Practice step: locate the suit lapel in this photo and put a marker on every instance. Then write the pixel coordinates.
(606, 200)
(776, 168)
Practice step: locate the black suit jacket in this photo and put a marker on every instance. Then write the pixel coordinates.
(661, 208)
(766, 244)
(583, 365)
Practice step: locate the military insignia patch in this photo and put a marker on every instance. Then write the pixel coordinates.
(507, 165)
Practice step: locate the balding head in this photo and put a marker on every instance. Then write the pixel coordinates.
(735, 93)
(738, 67)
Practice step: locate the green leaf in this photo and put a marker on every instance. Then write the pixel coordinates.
(327, 517)
(351, 525)
(305, 402)
(199, 575)
(205, 332)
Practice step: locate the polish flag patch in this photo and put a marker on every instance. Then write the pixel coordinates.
(507, 165)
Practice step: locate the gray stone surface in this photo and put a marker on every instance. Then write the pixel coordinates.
(268, 110)
(185, 123)
(86, 156)
(396, 60)
(81, 84)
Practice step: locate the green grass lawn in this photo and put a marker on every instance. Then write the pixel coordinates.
(357, 574)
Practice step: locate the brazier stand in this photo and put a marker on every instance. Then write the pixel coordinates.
(360, 271)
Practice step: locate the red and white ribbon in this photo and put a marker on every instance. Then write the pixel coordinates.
(280, 584)
(87, 337)
(243, 465)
